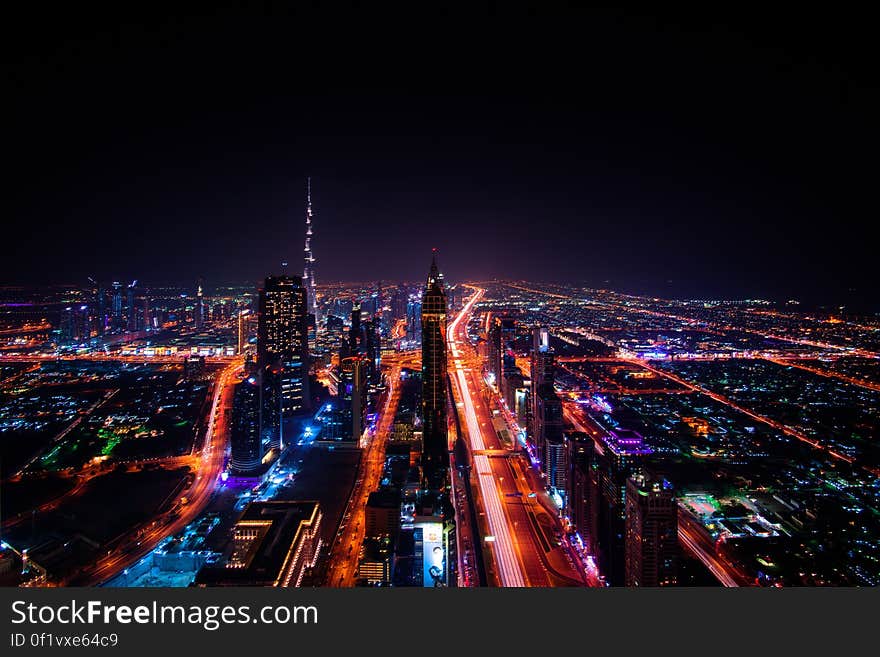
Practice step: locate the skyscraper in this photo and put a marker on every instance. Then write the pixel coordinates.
(582, 498)
(245, 445)
(116, 306)
(619, 454)
(131, 316)
(282, 334)
(353, 393)
(308, 278)
(200, 306)
(546, 422)
(651, 531)
(436, 449)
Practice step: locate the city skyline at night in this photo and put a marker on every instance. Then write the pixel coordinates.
(583, 301)
(722, 162)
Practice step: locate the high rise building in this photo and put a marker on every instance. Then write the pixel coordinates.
(434, 378)
(582, 503)
(353, 393)
(545, 406)
(308, 278)
(200, 307)
(116, 307)
(355, 337)
(651, 531)
(414, 319)
(74, 325)
(372, 350)
(271, 406)
(282, 338)
(618, 455)
(244, 328)
(502, 333)
(556, 465)
(245, 442)
(549, 421)
(130, 315)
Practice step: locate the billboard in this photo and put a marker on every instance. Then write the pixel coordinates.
(433, 553)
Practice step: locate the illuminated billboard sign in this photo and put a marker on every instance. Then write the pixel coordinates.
(433, 553)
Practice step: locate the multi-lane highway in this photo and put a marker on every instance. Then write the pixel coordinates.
(523, 544)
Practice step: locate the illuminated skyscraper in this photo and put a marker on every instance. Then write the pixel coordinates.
(200, 306)
(282, 334)
(309, 269)
(116, 307)
(131, 315)
(651, 532)
(619, 454)
(545, 423)
(245, 444)
(436, 448)
(353, 394)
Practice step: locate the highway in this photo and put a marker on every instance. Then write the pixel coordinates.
(345, 552)
(522, 516)
(509, 570)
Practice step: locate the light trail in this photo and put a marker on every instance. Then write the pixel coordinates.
(508, 565)
(706, 559)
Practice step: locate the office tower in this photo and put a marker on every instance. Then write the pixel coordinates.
(308, 278)
(651, 531)
(556, 465)
(513, 380)
(73, 327)
(398, 303)
(372, 350)
(546, 409)
(200, 307)
(549, 420)
(619, 454)
(283, 338)
(97, 303)
(355, 339)
(243, 330)
(414, 319)
(434, 438)
(271, 406)
(116, 307)
(543, 361)
(148, 312)
(353, 391)
(581, 502)
(101, 305)
(245, 443)
(502, 334)
(130, 313)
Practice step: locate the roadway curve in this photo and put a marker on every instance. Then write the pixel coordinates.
(208, 465)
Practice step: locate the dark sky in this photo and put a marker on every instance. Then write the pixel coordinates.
(704, 154)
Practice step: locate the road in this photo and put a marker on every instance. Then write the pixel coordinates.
(508, 569)
(207, 465)
(345, 551)
(690, 538)
(526, 548)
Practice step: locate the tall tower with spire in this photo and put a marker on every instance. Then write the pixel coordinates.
(309, 270)
(435, 452)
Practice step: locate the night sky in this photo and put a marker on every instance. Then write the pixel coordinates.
(694, 154)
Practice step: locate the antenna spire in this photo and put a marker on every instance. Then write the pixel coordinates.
(309, 258)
